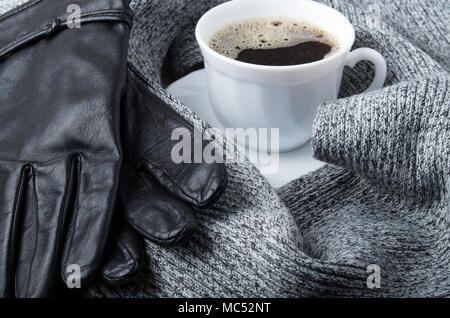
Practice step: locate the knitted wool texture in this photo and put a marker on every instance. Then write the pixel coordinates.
(383, 199)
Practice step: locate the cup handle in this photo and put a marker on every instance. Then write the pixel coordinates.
(373, 56)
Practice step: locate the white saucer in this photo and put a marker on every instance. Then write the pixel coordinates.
(192, 91)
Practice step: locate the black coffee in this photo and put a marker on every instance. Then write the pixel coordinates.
(274, 41)
(301, 53)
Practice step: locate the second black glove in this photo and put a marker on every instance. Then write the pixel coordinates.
(157, 197)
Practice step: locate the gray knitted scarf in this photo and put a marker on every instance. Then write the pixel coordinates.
(383, 199)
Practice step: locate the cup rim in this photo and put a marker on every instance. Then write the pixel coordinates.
(272, 68)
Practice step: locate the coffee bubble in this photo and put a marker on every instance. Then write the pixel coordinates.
(267, 32)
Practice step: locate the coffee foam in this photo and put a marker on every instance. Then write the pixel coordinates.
(267, 33)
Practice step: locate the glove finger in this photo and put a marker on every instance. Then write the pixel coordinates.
(149, 125)
(13, 180)
(153, 212)
(125, 253)
(89, 226)
(197, 184)
(46, 208)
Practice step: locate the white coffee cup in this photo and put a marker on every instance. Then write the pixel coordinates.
(245, 95)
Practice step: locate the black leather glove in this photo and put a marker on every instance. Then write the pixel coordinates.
(157, 197)
(60, 151)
